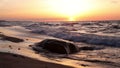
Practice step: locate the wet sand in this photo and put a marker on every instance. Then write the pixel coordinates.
(8, 60)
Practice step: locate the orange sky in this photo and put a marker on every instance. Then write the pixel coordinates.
(60, 10)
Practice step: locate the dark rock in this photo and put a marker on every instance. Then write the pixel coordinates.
(116, 26)
(19, 49)
(58, 46)
(10, 46)
(12, 39)
(27, 39)
(87, 48)
(91, 48)
(30, 45)
(84, 65)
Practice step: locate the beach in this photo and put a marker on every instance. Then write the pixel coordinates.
(17, 41)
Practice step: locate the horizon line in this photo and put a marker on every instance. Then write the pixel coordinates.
(56, 21)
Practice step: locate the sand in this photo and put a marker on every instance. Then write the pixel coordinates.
(8, 60)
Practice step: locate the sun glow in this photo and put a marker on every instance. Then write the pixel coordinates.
(71, 8)
(59, 10)
(71, 19)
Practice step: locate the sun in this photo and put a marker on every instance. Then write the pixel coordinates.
(71, 19)
(70, 8)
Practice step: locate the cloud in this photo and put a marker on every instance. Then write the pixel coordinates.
(115, 1)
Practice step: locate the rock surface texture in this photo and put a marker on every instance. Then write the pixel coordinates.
(58, 46)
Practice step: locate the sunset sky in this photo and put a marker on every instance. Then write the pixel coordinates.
(60, 10)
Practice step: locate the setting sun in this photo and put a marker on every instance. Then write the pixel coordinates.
(71, 19)
(70, 8)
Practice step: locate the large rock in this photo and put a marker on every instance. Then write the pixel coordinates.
(58, 46)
